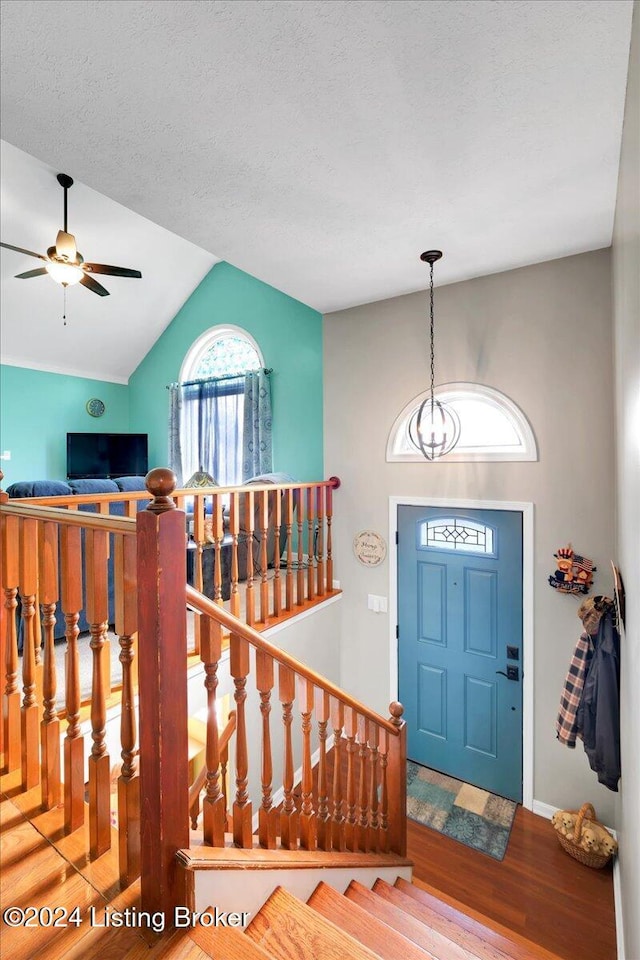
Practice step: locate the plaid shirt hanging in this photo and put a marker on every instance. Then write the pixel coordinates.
(567, 722)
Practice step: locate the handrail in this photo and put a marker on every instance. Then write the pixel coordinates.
(216, 612)
(123, 496)
(72, 518)
(223, 740)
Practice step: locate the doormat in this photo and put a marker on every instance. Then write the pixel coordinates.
(465, 813)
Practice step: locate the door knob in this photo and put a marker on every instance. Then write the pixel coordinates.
(512, 673)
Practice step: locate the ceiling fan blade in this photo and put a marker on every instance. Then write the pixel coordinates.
(29, 253)
(39, 272)
(66, 246)
(111, 271)
(94, 286)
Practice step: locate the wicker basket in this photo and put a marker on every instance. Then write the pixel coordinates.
(572, 846)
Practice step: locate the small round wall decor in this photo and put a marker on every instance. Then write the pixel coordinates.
(370, 548)
(95, 407)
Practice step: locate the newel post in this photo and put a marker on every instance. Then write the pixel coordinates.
(162, 686)
(397, 780)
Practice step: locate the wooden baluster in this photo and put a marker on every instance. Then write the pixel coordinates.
(10, 578)
(248, 520)
(268, 813)
(363, 795)
(373, 791)
(38, 658)
(322, 703)
(214, 807)
(71, 578)
(288, 520)
(308, 823)
(321, 570)
(311, 546)
(239, 670)
(397, 777)
(224, 763)
(337, 821)
(234, 529)
(263, 526)
(351, 729)
(217, 525)
(329, 515)
(126, 609)
(383, 747)
(96, 556)
(162, 639)
(288, 814)
(324, 824)
(198, 576)
(277, 524)
(50, 723)
(29, 712)
(300, 577)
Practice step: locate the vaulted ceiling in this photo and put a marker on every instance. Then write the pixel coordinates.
(320, 146)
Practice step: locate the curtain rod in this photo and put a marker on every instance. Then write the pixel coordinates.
(228, 376)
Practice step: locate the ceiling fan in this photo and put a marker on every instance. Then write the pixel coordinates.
(64, 263)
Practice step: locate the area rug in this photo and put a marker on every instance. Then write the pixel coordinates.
(458, 810)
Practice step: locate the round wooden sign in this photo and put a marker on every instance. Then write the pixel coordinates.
(370, 548)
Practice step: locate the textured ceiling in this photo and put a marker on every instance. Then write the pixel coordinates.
(321, 146)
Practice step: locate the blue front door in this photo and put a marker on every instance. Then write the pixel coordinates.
(459, 634)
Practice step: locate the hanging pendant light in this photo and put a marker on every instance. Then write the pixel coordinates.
(436, 428)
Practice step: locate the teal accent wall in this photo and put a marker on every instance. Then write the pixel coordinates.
(289, 335)
(38, 409)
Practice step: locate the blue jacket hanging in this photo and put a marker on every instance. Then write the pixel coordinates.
(599, 710)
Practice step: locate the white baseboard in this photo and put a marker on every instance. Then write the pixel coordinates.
(547, 811)
(617, 906)
(543, 809)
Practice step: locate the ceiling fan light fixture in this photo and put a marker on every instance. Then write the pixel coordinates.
(64, 273)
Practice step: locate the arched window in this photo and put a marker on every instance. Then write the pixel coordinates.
(492, 427)
(220, 414)
(219, 352)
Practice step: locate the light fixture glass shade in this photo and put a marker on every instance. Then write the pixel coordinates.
(435, 429)
(65, 273)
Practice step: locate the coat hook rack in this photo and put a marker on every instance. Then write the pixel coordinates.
(618, 597)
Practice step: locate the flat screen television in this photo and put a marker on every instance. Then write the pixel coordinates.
(103, 455)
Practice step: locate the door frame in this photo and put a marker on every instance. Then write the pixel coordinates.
(526, 510)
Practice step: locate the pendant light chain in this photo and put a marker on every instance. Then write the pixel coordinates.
(431, 336)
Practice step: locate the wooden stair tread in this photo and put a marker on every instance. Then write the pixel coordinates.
(228, 943)
(517, 946)
(478, 941)
(365, 928)
(180, 946)
(430, 940)
(290, 930)
(230, 857)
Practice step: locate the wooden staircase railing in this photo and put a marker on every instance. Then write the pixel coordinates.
(47, 555)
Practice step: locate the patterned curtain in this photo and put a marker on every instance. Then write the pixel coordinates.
(257, 449)
(175, 449)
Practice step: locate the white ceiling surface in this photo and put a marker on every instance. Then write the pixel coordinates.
(105, 337)
(321, 146)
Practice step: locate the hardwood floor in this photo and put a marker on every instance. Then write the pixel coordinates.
(537, 890)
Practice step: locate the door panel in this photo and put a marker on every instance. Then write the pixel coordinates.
(459, 605)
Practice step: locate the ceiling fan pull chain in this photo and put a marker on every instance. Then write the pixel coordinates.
(64, 307)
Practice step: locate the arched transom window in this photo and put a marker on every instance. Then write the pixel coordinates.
(492, 427)
(221, 352)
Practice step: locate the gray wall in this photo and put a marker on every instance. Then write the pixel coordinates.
(626, 303)
(542, 335)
